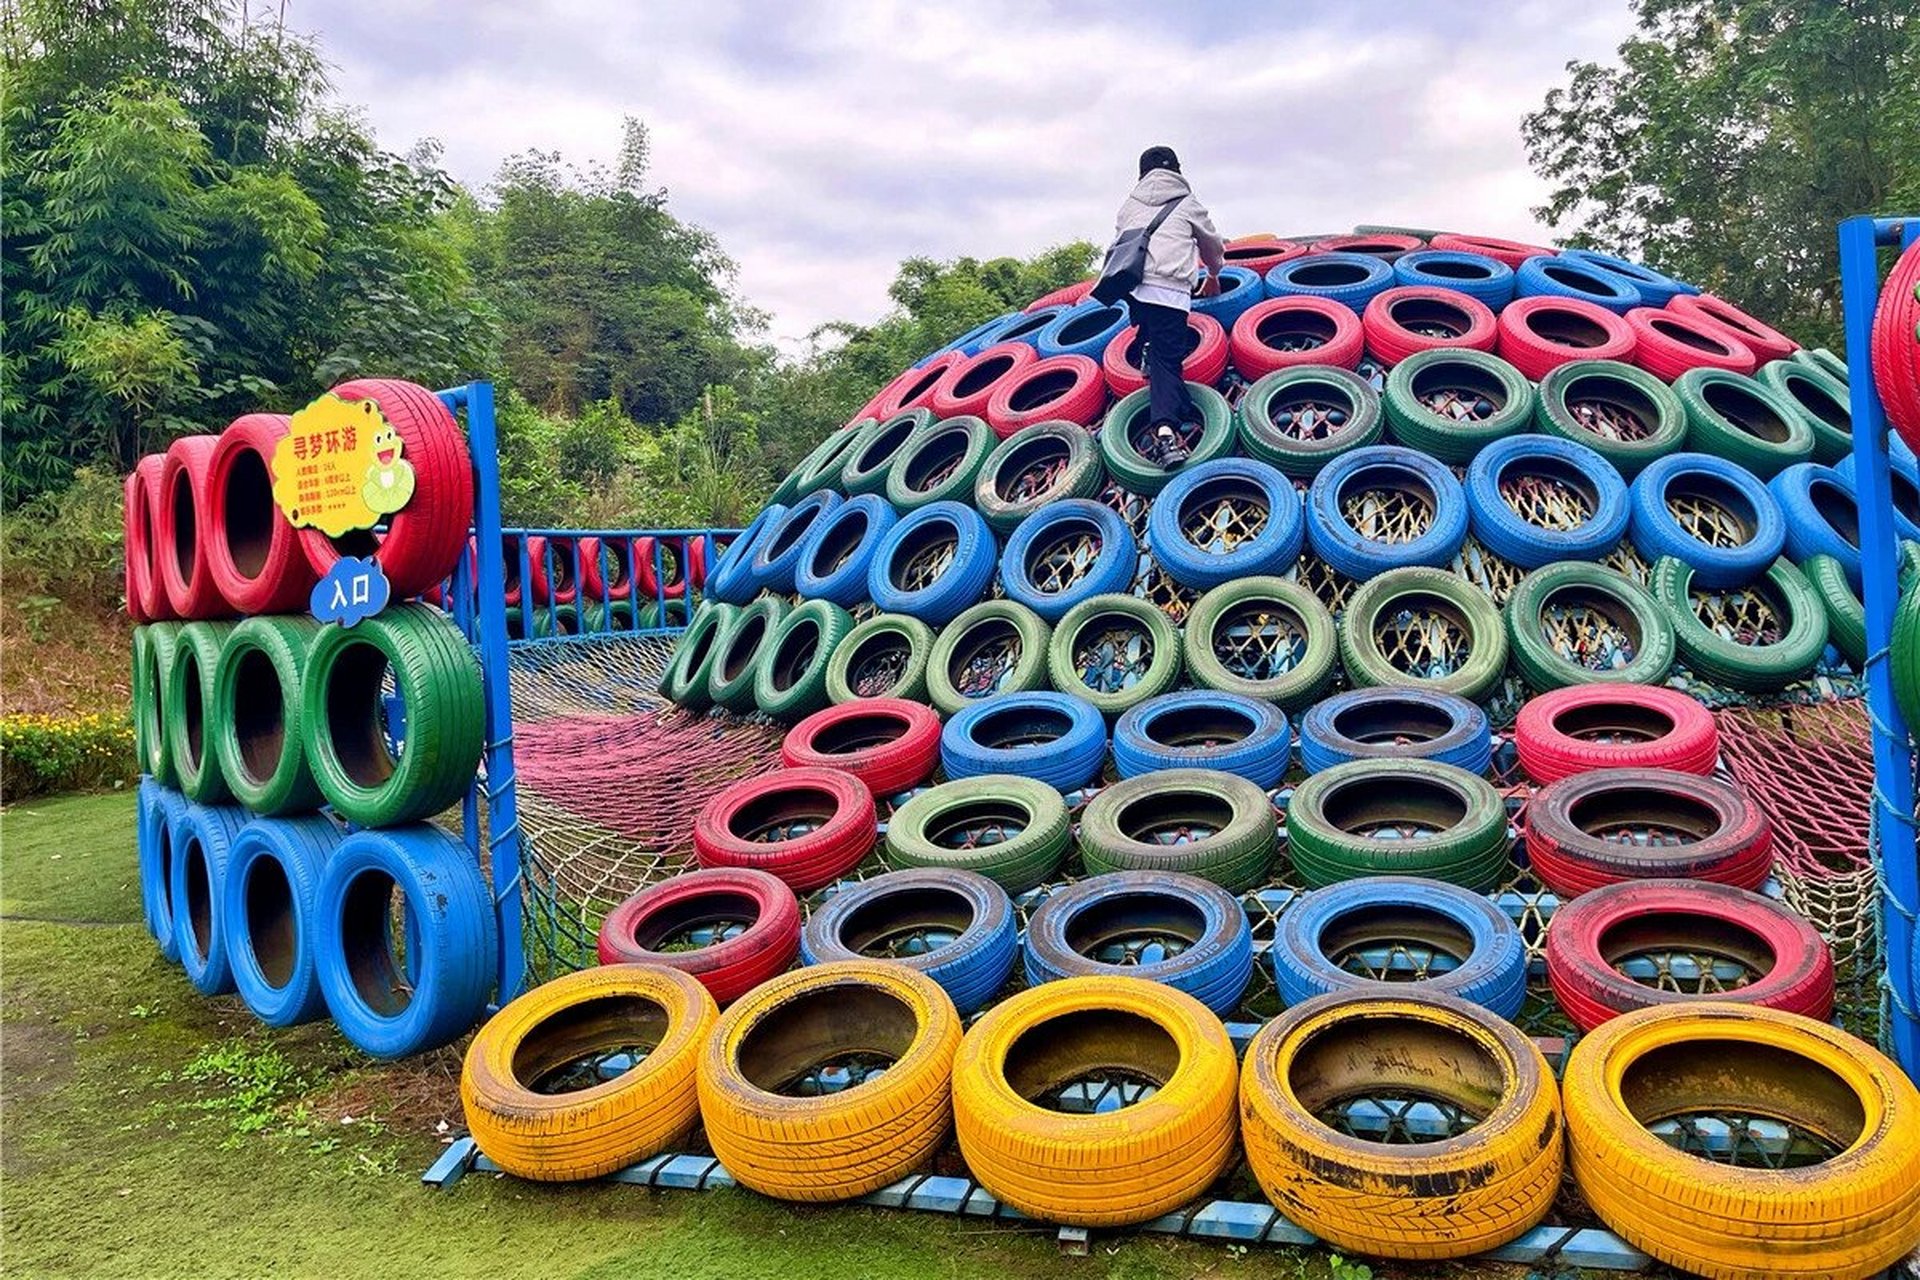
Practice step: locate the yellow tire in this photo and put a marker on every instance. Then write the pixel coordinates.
(586, 1133)
(1441, 1199)
(1108, 1168)
(841, 1016)
(1847, 1217)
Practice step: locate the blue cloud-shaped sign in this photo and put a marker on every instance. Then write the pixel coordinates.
(353, 589)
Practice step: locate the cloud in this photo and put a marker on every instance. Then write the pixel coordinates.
(824, 140)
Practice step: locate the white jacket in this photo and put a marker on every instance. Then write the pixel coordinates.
(1170, 254)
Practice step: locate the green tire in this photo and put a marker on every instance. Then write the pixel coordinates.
(685, 682)
(1035, 466)
(1487, 378)
(1014, 831)
(257, 727)
(1125, 428)
(192, 715)
(1904, 657)
(1562, 593)
(1458, 603)
(996, 646)
(884, 657)
(880, 443)
(739, 652)
(1755, 668)
(654, 613)
(1398, 817)
(790, 681)
(1822, 400)
(1202, 822)
(791, 488)
(1824, 360)
(438, 679)
(1265, 638)
(1846, 616)
(940, 463)
(1082, 657)
(142, 716)
(150, 704)
(1744, 421)
(1284, 418)
(823, 468)
(1624, 414)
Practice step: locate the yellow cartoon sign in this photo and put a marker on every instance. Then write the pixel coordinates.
(339, 467)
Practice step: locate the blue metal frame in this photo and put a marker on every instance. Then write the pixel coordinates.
(1892, 819)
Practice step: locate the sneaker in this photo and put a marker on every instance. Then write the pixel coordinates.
(1169, 450)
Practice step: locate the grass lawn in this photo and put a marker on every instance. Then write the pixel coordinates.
(148, 1132)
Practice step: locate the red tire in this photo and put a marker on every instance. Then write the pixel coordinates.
(1261, 254)
(1056, 389)
(1668, 343)
(1511, 252)
(679, 567)
(1583, 831)
(890, 744)
(1767, 343)
(1896, 346)
(1589, 938)
(1205, 363)
(636, 931)
(423, 539)
(968, 387)
(1300, 329)
(1617, 726)
(915, 387)
(1062, 297)
(697, 561)
(253, 553)
(511, 580)
(1539, 334)
(146, 597)
(604, 571)
(1388, 245)
(1412, 318)
(183, 526)
(830, 812)
(556, 583)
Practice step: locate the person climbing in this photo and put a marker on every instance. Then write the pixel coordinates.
(1177, 224)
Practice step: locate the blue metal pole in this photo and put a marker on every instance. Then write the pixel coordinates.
(503, 817)
(1893, 818)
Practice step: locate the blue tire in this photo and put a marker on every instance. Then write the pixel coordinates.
(273, 885)
(1823, 518)
(1476, 275)
(1025, 326)
(1163, 926)
(1477, 952)
(1502, 530)
(729, 582)
(1349, 550)
(1084, 329)
(969, 342)
(1348, 278)
(1732, 488)
(838, 552)
(1200, 729)
(905, 911)
(450, 943)
(1030, 571)
(1398, 724)
(1556, 276)
(1239, 290)
(1053, 738)
(1210, 494)
(1903, 469)
(923, 535)
(160, 808)
(202, 836)
(1656, 288)
(778, 552)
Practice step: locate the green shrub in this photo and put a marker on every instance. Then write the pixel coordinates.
(67, 545)
(44, 755)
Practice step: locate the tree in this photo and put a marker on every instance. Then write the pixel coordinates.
(1731, 137)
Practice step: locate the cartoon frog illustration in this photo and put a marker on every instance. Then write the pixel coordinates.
(390, 477)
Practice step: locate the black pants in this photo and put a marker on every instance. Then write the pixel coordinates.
(1164, 331)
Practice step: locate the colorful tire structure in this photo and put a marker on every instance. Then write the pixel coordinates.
(1449, 1199)
(1084, 1038)
(730, 927)
(1608, 825)
(783, 1139)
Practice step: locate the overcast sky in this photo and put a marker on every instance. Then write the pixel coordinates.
(824, 140)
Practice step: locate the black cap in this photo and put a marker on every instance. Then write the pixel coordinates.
(1158, 158)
